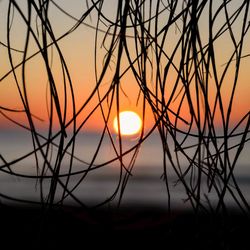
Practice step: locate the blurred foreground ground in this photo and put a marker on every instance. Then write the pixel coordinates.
(72, 228)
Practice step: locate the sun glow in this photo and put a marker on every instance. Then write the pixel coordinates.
(130, 123)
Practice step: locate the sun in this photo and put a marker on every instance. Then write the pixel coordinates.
(130, 123)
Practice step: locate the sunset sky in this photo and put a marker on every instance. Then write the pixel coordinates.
(96, 95)
(78, 50)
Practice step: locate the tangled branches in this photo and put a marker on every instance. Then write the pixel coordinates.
(184, 61)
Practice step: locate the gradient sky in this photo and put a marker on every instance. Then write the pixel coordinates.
(78, 50)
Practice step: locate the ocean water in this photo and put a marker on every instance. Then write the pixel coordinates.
(145, 187)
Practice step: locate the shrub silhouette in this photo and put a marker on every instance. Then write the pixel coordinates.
(184, 79)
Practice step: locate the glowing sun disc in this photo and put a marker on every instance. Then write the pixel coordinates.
(130, 123)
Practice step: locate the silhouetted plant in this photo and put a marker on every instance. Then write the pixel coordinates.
(172, 50)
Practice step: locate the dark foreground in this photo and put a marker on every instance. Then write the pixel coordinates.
(72, 228)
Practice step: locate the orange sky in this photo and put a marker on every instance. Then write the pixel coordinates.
(78, 50)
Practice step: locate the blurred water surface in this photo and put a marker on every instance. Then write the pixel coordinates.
(145, 186)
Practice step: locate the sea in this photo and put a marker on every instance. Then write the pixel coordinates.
(99, 180)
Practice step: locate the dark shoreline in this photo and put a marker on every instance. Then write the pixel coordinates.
(69, 227)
